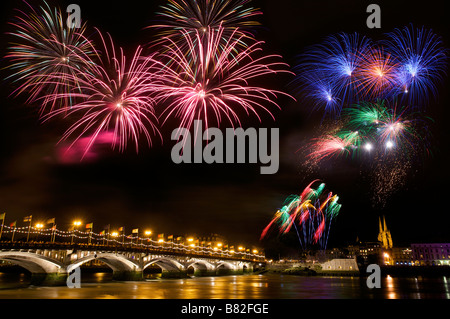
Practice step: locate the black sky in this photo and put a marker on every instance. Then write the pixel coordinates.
(149, 191)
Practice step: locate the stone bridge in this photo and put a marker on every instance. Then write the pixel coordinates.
(52, 265)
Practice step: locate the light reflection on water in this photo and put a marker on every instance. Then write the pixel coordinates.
(99, 286)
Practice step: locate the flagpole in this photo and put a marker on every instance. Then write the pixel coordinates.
(29, 228)
(3, 223)
(54, 232)
(14, 231)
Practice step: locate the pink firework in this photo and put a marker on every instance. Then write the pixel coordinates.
(329, 146)
(212, 79)
(115, 97)
(43, 47)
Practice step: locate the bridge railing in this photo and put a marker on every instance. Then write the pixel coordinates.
(32, 245)
(57, 239)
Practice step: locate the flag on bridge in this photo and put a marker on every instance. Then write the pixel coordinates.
(161, 236)
(2, 216)
(13, 224)
(170, 237)
(90, 226)
(102, 233)
(135, 231)
(121, 228)
(51, 221)
(28, 218)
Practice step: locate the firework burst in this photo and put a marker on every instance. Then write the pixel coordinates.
(213, 82)
(422, 63)
(328, 71)
(377, 78)
(310, 214)
(202, 16)
(43, 47)
(115, 97)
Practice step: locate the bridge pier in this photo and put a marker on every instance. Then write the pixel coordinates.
(204, 273)
(49, 279)
(128, 275)
(174, 274)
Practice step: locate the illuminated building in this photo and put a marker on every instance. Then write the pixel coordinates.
(431, 254)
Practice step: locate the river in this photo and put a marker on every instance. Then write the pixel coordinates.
(99, 286)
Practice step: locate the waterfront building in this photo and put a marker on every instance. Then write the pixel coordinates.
(431, 254)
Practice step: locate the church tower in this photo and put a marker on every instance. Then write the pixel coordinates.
(384, 236)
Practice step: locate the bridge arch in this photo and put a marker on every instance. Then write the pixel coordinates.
(116, 262)
(33, 262)
(199, 264)
(166, 264)
(226, 265)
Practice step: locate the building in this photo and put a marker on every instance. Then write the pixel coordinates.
(398, 256)
(340, 265)
(431, 254)
(384, 236)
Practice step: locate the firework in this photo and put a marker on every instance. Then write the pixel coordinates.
(422, 62)
(213, 82)
(330, 146)
(347, 69)
(310, 213)
(377, 78)
(115, 98)
(328, 71)
(372, 128)
(200, 16)
(43, 47)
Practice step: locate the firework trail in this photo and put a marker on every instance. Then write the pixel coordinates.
(43, 46)
(116, 97)
(310, 213)
(422, 63)
(212, 82)
(193, 17)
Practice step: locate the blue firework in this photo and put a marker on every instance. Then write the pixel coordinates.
(423, 62)
(330, 67)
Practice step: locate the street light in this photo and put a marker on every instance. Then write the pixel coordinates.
(75, 225)
(147, 234)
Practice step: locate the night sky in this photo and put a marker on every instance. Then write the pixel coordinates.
(148, 190)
